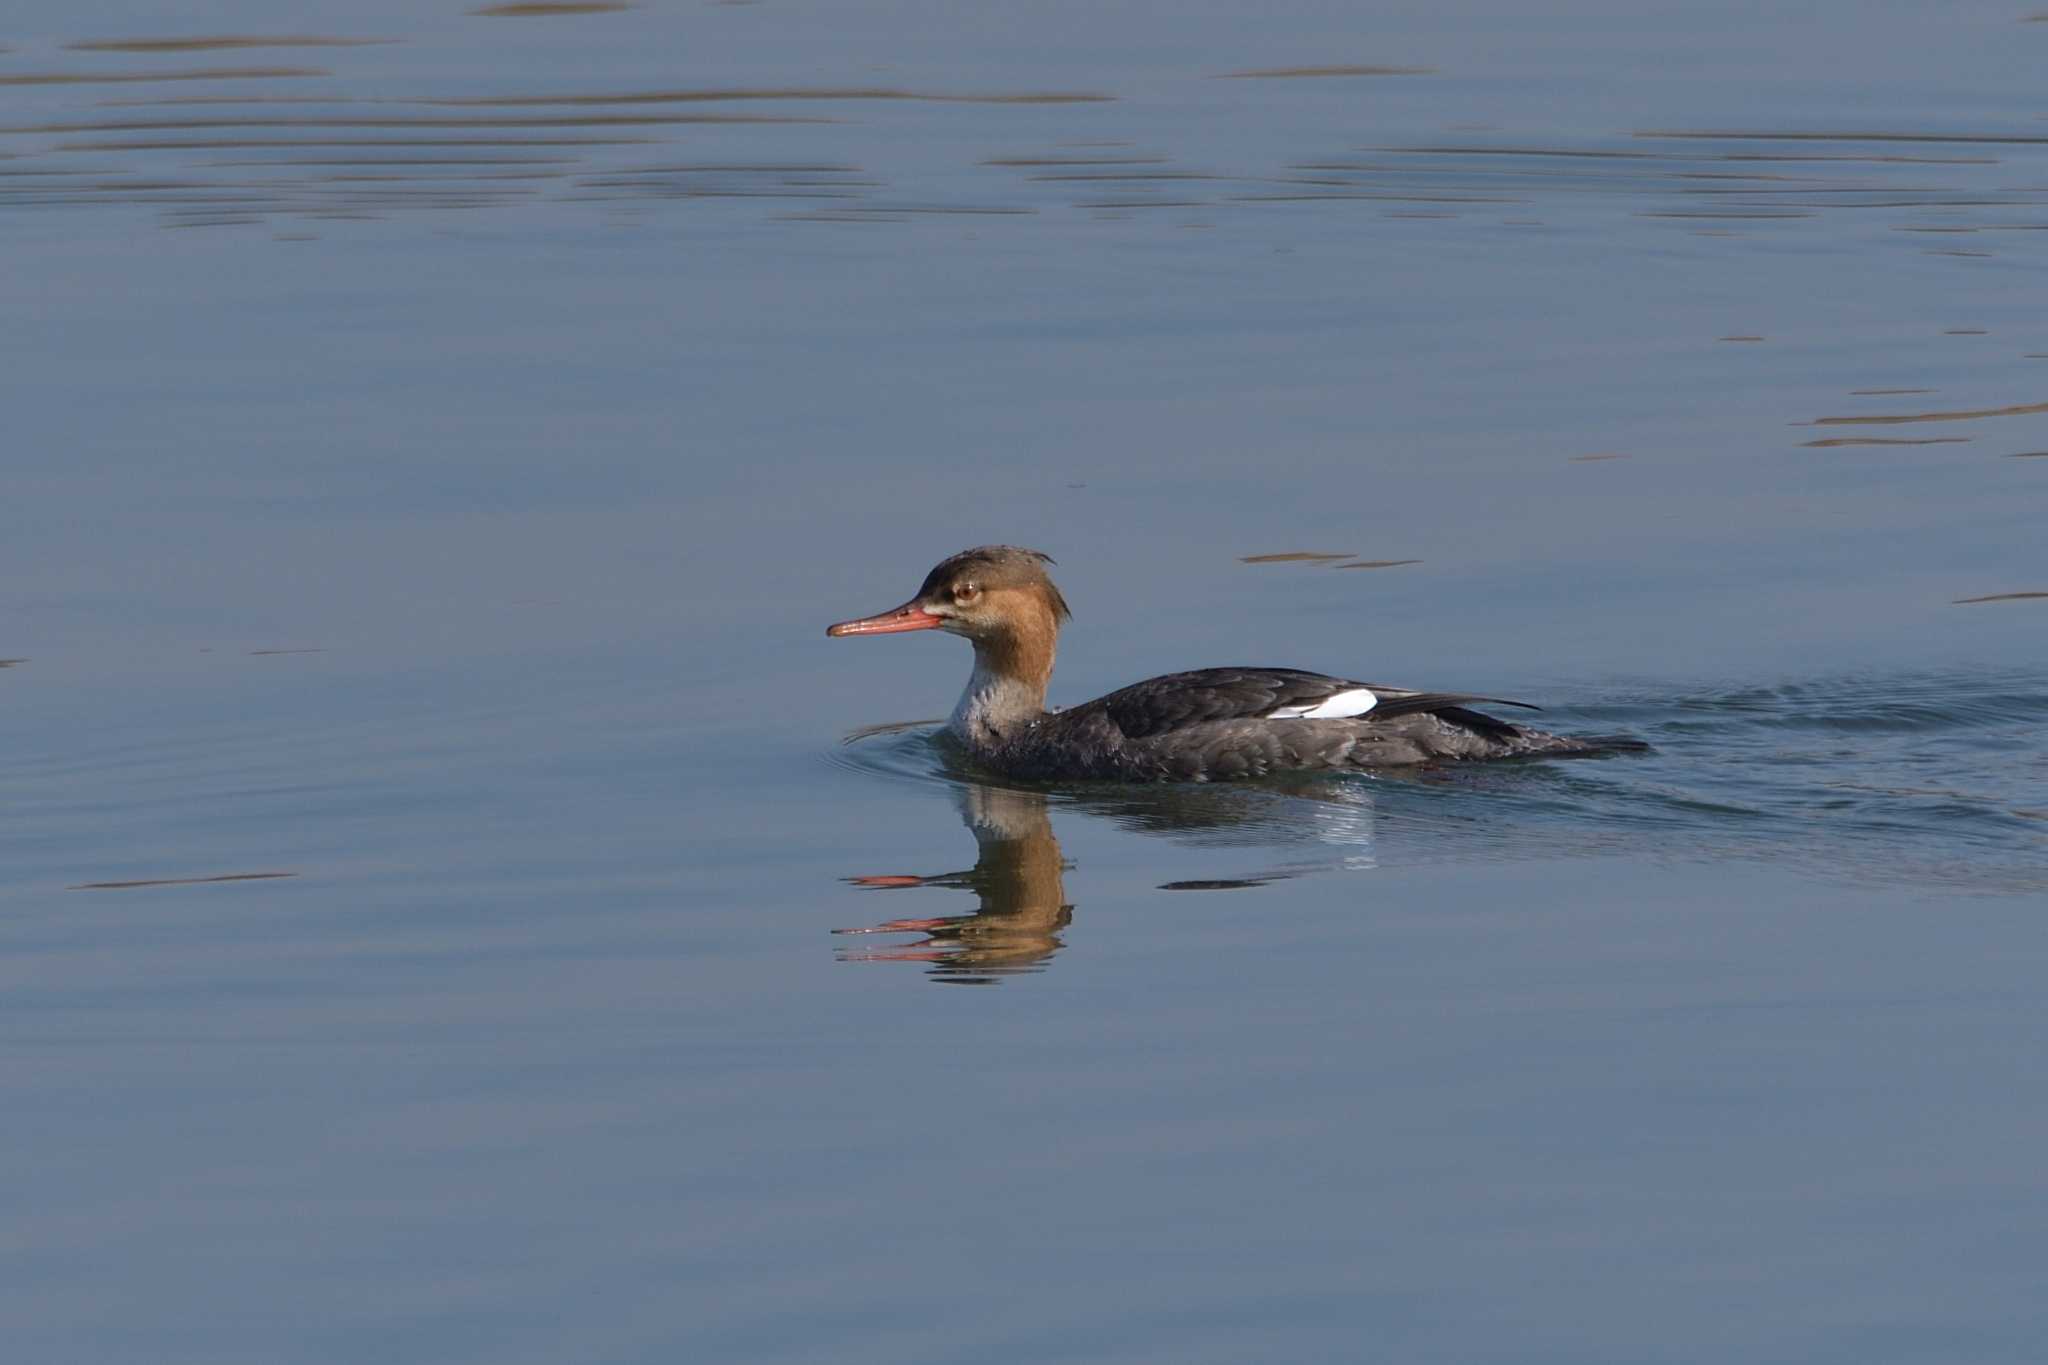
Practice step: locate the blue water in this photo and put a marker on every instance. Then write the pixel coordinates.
(428, 492)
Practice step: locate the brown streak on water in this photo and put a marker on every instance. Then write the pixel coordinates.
(1453, 150)
(229, 144)
(840, 216)
(573, 121)
(542, 9)
(968, 210)
(2018, 410)
(204, 73)
(1293, 557)
(741, 167)
(1222, 883)
(1998, 597)
(856, 92)
(187, 101)
(1072, 161)
(1674, 213)
(1604, 154)
(1735, 135)
(396, 161)
(181, 881)
(1319, 72)
(214, 43)
(1124, 177)
(1887, 441)
(1372, 196)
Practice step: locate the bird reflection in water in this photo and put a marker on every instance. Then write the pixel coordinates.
(1018, 877)
(1019, 871)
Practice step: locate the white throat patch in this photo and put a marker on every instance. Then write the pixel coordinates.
(989, 702)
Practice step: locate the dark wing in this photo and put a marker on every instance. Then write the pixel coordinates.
(1173, 700)
(1399, 701)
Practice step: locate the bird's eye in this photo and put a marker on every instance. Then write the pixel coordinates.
(964, 593)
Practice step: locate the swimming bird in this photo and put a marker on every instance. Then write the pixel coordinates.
(1211, 724)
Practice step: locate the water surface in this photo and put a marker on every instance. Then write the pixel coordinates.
(457, 906)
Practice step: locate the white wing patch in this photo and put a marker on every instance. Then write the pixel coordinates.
(1339, 706)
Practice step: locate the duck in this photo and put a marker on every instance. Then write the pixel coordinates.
(1205, 725)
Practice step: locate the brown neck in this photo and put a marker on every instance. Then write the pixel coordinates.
(1022, 654)
(1011, 670)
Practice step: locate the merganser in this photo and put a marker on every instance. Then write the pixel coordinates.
(1212, 724)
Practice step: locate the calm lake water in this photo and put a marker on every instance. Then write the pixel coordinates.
(456, 906)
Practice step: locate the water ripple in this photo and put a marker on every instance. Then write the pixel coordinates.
(1935, 778)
